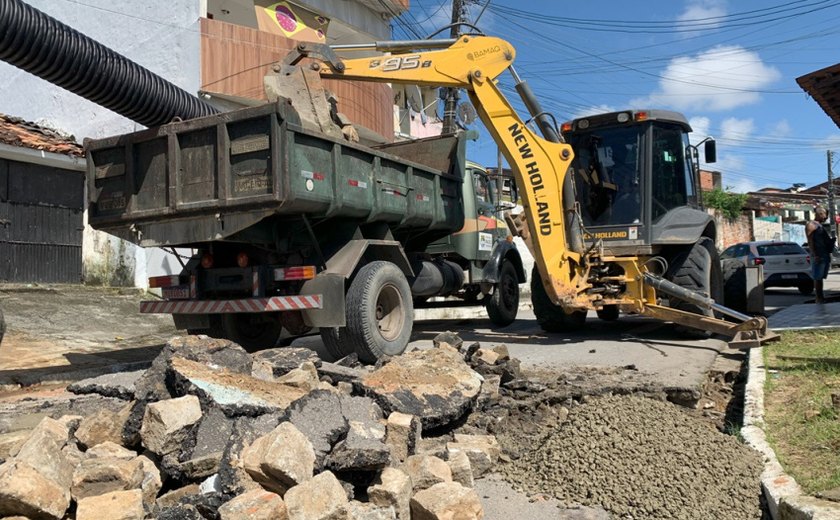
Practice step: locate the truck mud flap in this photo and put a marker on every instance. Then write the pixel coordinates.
(247, 305)
(330, 288)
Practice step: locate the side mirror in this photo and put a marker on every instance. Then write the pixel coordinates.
(710, 151)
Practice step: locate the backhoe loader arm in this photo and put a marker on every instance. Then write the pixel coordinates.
(473, 63)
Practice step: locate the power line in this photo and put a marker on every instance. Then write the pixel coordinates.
(671, 26)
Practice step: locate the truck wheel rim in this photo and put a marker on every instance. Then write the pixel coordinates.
(389, 312)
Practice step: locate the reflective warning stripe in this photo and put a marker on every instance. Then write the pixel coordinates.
(273, 304)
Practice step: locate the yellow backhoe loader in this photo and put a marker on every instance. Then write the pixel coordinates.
(603, 239)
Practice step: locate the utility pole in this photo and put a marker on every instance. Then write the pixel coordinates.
(459, 11)
(833, 223)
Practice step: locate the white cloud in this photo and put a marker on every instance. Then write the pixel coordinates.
(702, 10)
(781, 129)
(736, 129)
(720, 78)
(733, 170)
(700, 128)
(739, 184)
(828, 142)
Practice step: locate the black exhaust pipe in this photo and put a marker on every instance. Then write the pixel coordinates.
(51, 50)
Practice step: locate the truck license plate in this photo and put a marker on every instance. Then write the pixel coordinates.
(789, 276)
(179, 292)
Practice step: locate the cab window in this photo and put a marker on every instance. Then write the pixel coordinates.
(483, 190)
(672, 182)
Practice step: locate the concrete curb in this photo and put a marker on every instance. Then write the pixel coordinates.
(785, 499)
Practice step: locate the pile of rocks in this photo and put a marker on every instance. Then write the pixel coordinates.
(210, 431)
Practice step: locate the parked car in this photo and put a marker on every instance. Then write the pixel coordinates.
(786, 264)
(835, 255)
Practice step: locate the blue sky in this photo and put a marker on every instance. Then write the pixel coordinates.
(730, 67)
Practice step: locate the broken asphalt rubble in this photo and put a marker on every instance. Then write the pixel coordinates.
(210, 431)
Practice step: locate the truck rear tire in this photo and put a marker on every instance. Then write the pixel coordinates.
(734, 284)
(380, 312)
(503, 304)
(252, 331)
(550, 317)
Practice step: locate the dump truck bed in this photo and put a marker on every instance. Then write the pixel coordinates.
(208, 179)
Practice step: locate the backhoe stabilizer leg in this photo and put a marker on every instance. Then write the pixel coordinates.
(749, 332)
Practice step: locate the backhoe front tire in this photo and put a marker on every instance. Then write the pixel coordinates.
(380, 313)
(252, 331)
(503, 304)
(550, 317)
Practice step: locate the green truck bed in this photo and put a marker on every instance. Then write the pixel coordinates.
(212, 178)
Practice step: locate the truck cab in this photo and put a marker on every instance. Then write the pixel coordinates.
(484, 249)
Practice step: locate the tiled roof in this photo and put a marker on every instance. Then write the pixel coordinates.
(15, 131)
(824, 86)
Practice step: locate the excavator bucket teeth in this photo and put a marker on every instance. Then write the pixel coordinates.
(747, 339)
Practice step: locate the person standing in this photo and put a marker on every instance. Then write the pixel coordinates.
(821, 244)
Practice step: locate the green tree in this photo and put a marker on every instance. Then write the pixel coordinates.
(725, 201)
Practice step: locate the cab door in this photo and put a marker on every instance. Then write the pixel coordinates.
(486, 224)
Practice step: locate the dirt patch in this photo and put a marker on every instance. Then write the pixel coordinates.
(608, 437)
(638, 458)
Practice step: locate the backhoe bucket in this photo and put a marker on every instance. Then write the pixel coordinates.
(747, 332)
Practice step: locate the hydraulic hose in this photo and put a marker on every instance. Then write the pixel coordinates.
(55, 52)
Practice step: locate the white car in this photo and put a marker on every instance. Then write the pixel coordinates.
(786, 264)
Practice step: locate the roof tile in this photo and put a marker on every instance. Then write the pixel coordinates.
(15, 131)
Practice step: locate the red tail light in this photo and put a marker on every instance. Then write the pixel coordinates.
(207, 261)
(302, 272)
(164, 281)
(759, 261)
(242, 260)
(808, 259)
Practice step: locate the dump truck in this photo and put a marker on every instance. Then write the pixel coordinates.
(297, 230)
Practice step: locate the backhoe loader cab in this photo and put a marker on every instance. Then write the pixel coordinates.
(636, 180)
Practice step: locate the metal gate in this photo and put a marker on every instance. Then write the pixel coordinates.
(41, 225)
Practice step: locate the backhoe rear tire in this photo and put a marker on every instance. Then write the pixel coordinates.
(550, 317)
(503, 304)
(608, 312)
(380, 313)
(734, 284)
(697, 269)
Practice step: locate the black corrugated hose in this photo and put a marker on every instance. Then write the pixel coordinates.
(45, 47)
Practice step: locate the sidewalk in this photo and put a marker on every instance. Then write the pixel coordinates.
(806, 316)
(785, 499)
